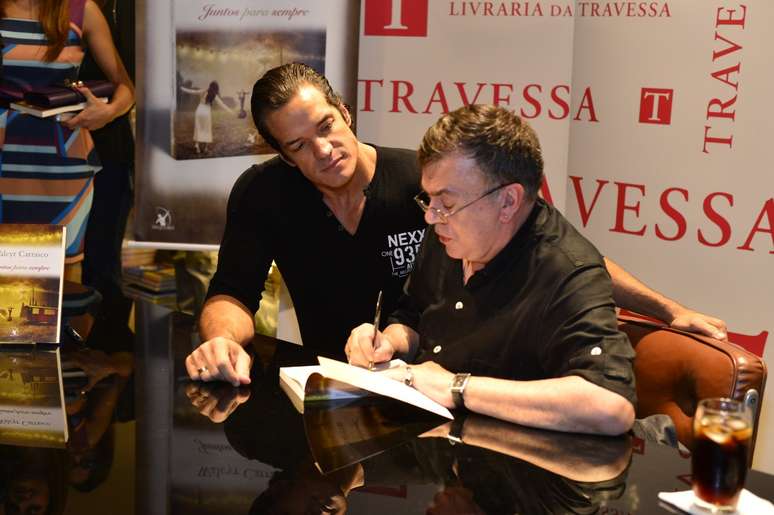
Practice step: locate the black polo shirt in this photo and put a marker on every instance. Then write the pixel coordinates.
(275, 213)
(542, 308)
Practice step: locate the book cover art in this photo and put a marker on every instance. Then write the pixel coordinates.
(219, 53)
(32, 409)
(31, 272)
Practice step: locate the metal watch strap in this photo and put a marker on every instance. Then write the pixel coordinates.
(458, 385)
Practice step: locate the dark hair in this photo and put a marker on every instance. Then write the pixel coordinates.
(503, 145)
(278, 86)
(212, 92)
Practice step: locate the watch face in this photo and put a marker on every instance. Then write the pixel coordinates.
(459, 381)
(458, 388)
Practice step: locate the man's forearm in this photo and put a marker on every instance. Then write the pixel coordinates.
(226, 317)
(631, 294)
(564, 404)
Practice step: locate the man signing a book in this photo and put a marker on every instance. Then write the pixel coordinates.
(337, 217)
(509, 311)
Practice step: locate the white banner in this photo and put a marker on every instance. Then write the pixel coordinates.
(422, 58)
(674, 180)
(661, 156)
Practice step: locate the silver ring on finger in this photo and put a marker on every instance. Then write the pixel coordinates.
(201, 370)
(408, 379)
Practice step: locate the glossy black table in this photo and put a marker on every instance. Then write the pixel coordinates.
(177, 447)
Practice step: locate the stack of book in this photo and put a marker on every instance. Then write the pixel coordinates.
(153, 283)
(136, 256)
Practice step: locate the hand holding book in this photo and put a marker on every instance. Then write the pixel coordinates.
(91, 98)
(95, 114)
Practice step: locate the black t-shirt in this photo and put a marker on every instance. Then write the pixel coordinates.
(275, 213)
(542, 308)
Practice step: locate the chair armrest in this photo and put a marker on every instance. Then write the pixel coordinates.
(675, 369)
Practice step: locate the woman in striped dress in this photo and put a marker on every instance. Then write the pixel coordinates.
(47, 166)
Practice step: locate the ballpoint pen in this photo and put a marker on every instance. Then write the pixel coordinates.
(377, 315)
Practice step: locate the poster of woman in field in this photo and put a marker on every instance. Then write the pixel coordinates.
(215, 73)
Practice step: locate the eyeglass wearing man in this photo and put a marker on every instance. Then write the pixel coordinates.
(330, 240)
(509, 310)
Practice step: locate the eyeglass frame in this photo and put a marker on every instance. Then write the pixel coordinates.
(445, 215)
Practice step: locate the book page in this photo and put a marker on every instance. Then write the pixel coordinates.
(381, 384)
(297, 377)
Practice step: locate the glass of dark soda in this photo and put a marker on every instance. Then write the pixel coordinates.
(722, 431)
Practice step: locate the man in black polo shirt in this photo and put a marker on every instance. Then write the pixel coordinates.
(338, 218)
(509, 311)
(341, 230)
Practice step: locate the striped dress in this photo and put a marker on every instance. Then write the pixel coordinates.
(46, 170)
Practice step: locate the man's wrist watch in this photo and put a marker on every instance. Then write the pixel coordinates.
(458, 385)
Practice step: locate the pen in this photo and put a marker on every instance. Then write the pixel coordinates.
(377, 315)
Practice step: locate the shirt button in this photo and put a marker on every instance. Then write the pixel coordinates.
(437, 349)
(596, 351)
(458, 305)
(341, 228)
(328, 214)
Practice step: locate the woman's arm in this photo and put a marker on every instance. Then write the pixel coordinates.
(96, 33)
(193, 91)
(222, 104)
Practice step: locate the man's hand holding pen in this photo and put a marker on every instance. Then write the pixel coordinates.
(367, 346)
(377, 317)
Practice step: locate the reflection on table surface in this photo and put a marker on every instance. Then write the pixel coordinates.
(43, 389)
(144, 439)
(378, 455)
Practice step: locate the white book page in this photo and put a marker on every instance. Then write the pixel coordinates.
(300, 374)
(381, 384)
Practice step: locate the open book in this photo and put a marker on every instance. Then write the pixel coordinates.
(333, 380)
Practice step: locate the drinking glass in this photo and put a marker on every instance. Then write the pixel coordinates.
(722, 431)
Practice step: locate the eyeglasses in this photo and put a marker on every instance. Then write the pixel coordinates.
(423, 201)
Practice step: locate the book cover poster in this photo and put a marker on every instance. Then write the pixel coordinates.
(220, 50)
(31, 400)
(31, 270)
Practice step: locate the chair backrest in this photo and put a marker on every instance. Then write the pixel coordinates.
(674, 370)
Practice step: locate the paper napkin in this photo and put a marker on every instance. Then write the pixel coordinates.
(749, 503)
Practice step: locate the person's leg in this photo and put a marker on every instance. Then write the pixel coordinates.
(105, 234)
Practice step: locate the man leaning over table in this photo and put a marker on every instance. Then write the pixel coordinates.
(509, 310)
(329, 209)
